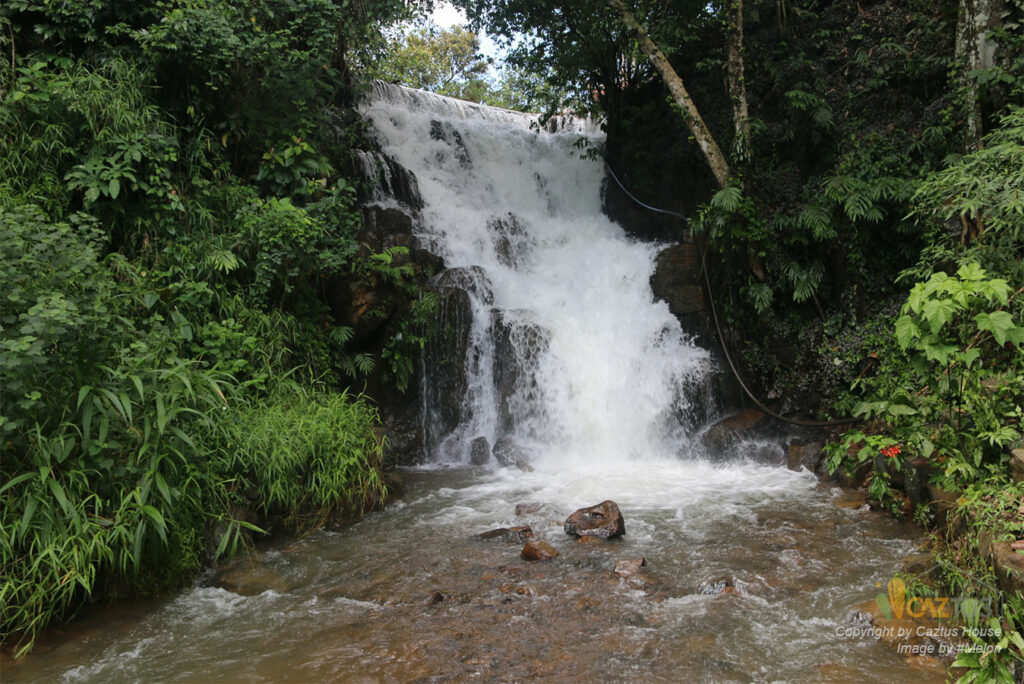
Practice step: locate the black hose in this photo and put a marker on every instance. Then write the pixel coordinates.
(718, 327)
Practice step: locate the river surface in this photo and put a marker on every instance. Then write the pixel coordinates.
(411, 595)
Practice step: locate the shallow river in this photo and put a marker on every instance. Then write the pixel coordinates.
(409, 594)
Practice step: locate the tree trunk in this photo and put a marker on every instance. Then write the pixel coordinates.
(716, 160)
(974, 51)
(736, 84)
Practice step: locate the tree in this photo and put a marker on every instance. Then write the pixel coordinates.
(735, 80)
(443, 61)
(691, 115)
(975, 50)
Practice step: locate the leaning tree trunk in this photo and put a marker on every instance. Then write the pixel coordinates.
(716, 160)
(975, 50)
(736, 84)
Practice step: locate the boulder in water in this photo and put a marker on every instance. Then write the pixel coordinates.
(512, 243)
(799, 455)
(479, 451)
(508, 453)
(519, 344)
(603, 520)
(538, 551)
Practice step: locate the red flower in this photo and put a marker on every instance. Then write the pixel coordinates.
(890, 451)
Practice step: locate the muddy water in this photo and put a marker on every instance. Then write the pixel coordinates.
(409, 595)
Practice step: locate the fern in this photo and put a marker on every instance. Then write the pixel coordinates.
(760, 295)
(728, 199)
(818, 221)
(805, 281)
(340, 334)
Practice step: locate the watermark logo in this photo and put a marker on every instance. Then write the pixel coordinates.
(893, 603)
(897, 602)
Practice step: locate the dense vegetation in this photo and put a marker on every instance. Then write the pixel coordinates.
(178, 220)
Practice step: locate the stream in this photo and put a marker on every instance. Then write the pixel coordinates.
(411, 595)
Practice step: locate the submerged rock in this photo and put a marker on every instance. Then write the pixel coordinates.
(519, 533)
(626, 567)
(727, 433)
(717, 586)
(526, 508)
(603, 520)
(538, 551)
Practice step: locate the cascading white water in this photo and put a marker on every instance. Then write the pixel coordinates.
(601, 369)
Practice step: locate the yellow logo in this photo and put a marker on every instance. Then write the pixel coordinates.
(896, 603)
(897, 596)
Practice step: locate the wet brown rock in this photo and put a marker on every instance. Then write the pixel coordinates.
(1007, 563)
(627, 567)
(603, 520)
(804, 456)
(538, 551)
(851, 498)
(517, 534)
(728, 432)
(920, 564)
(585, 603)
(594, 541)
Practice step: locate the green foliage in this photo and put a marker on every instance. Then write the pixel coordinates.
(857, 448)
(579, 49)
(443, 61)
(177, 248)
(960, 336)
(958, 401)
(998, 646)
(989, 509)
(974, 207)
(56, 298)
(310, 456)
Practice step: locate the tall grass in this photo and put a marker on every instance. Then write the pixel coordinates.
(122, 498)
(309, 455)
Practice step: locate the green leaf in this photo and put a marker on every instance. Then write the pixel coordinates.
(62, 498)
(161, 485)
(15, 481)
(971, 271)
(82, 392)
(937, 351)
(158, 519)
(999, 323)
(114, 188)
(907, 331)
(901, 410)
(938, 312)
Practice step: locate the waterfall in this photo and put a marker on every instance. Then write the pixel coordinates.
(565, 356)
